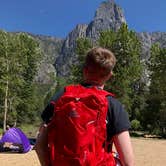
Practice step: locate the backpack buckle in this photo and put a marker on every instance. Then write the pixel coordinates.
(77, 98)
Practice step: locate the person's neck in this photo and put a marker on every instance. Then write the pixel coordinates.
(100, 86)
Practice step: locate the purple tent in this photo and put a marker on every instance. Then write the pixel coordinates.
(15, 135)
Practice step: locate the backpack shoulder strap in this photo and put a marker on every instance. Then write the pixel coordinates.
(79, 88)
(72, 87)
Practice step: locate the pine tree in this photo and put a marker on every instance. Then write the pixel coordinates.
(127, 49)
(83, 45)
(19, 55)
(157, 89)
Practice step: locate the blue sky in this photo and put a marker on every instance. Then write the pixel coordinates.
(59, 17)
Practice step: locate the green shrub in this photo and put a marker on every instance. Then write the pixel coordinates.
(135, 124)
(1, 132)
(30, 130)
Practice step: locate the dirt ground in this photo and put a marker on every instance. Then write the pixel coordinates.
(148, 152)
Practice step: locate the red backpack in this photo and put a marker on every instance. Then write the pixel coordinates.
(77, 130)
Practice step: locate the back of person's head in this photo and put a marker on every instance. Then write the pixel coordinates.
(99, 63)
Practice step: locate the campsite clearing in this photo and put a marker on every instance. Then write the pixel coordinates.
(148, 152)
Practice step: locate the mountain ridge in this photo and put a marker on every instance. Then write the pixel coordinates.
(58, 51)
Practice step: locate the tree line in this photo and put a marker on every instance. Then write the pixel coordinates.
(144, 99)
(19, 58)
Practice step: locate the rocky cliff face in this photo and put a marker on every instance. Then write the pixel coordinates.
(59, 54)
(67, 55)
(107, 16)
(147, 39)
(50, 47)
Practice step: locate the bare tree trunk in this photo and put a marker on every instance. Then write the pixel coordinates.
(15, 123)
(5, 106)
(6, 93)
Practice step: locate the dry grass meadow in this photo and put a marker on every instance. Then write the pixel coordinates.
(148, 152)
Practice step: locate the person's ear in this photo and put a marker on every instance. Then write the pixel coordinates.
(108, 76)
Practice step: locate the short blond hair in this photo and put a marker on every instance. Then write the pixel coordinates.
(100, 61)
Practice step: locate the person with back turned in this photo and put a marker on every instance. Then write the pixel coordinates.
(81, 122)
